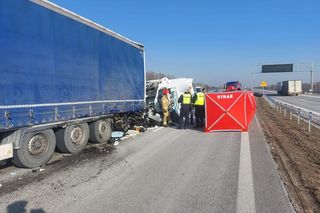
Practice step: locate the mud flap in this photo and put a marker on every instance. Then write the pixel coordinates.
(6, 151)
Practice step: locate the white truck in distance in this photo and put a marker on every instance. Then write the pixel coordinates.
(293, 87)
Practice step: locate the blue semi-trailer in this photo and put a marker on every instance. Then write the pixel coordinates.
(63, 80)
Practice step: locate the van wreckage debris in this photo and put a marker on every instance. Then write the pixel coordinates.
(134, 123)
(151, 115)
(154, 92)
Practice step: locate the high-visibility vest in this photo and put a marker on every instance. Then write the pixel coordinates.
(186, 99)
(200, 99)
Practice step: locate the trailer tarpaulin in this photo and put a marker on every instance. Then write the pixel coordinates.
(229, 111)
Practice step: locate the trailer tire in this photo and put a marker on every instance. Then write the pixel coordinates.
(73, 138)
(36, 149)
(100, 131)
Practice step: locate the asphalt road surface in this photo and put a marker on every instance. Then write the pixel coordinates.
(309, 102)
(305, 101)
(164, 170)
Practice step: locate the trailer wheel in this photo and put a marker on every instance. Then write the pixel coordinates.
(73, 138)
(100, 131)
(36, 149)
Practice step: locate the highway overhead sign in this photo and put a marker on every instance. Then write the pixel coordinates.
(274, 68)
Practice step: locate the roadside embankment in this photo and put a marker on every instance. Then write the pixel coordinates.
(297, 155)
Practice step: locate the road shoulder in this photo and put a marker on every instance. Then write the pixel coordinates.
(270, 194)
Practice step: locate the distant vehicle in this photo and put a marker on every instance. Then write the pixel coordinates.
(232, 86)
(64, 80)
(293, 87)
(198, 89)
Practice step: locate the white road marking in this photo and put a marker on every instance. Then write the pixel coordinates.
(245, 198)
(157, 129)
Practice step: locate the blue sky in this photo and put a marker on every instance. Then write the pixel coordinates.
(215, 41)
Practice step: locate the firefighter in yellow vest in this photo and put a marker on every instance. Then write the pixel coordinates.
(198, 102)
(165, 108)
(186, 102)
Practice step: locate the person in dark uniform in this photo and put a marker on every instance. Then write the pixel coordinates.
(185, 101)
(198, 102)
(191, 110)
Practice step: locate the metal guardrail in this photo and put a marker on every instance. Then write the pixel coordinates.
(311, 117)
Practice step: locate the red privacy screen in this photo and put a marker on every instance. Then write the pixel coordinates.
(229, 111)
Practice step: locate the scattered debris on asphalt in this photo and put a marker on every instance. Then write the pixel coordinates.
(140, 128)
(39, 169)
(3, 162)
(117, 134)
(130, 134)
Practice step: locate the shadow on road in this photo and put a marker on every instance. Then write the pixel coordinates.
(259, 94)
(273, 95)
(189, 127)
(20, 207)
(5, 164)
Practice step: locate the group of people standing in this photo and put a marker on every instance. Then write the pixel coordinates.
(188, 103)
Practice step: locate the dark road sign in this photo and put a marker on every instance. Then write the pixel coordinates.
(277, 68)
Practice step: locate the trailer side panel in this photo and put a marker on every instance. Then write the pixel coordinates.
(55, 68)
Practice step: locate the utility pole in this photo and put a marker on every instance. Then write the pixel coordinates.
(251, 80)
(311, 79)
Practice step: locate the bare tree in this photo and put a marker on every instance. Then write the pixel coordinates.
(151, 75)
